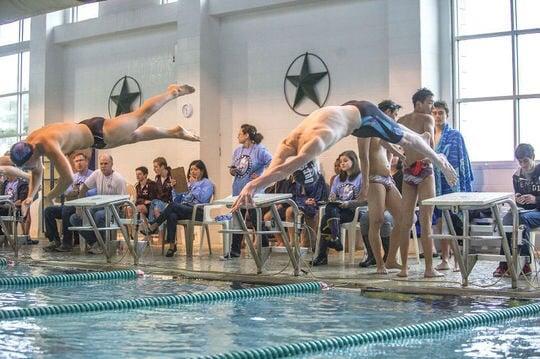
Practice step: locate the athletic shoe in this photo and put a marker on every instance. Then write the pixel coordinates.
(501, 270)
(230, 255)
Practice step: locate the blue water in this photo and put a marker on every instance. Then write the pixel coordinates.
(192, 330)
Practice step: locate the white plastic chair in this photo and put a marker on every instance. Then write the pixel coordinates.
(190, 224)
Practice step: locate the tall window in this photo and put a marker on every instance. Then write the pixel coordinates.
(84, 12)
(14, 83)
(497, 75)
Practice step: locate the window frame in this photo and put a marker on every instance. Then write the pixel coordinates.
(18, 48)
(515, 97)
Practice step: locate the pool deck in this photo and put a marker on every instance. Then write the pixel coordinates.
(278, 271)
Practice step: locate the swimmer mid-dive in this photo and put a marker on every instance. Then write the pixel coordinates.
(325, 127)
(58, 139)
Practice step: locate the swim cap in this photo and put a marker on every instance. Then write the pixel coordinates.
(20, 153)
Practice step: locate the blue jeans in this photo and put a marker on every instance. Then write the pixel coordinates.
(172, 214)
(529, 220)
(64, 213)
(99, 217)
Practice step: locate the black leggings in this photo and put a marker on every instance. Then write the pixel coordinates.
(236, 245)
(173, 213)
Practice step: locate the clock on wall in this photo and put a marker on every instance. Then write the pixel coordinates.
(187, 110)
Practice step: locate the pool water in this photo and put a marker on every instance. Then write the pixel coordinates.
(210, 328)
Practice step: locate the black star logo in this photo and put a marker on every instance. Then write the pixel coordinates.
(305, 83)
(125, 99)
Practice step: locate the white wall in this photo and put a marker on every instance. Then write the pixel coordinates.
(352, 37)
(236, 55)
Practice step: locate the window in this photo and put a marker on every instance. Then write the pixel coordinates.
(14, 72)
(84, 12)
(497, 77)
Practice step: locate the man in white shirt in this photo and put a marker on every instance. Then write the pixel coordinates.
(107, 182)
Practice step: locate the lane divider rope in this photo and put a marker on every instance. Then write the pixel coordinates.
(73, 277)
(297, 288)
(383, 335)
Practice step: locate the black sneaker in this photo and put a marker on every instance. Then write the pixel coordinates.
(338, 245)
(63, 249)
(368, 262)
(230, 255)
(30, 241)
(52, 246)
(319, 261)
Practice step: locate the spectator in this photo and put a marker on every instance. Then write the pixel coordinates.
(106, 181)
(449, 142)
(344, 198)
(147, 191)
(164, 196)
(248, 162)
(200, 190)
(526, 181)
(52, 213)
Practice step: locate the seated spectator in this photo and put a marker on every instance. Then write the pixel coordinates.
(17, 190)
(526, 182)
(147, 191)
(309, 190)
(344, 198)
(283, 186)
(200, 190)
(105, 181)
(52, 213)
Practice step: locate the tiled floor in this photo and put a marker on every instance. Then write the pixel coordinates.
(278, 270)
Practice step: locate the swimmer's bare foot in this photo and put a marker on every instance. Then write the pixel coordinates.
(392, 265)
(184, 134)
(180, 90)
(381, 270)
(403, 273)
(447, 170)
(432, 273)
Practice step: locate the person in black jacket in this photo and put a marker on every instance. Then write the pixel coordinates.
(526, 182)
(17, 189)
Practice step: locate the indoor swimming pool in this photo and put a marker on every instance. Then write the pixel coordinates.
(234, 325)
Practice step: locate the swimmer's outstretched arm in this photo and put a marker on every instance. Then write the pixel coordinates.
(34, 184)
(14, 171)
(65, 174)
(275, 173)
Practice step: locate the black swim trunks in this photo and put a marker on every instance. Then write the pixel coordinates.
(95, 124)
(375, 123)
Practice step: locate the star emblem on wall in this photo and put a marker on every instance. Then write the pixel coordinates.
(125, 99)
(306, 83)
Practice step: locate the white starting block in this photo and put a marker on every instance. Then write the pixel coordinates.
(465, 202)
(109, 203)
(263, 201)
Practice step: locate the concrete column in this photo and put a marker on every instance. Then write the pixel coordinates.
(197, 58)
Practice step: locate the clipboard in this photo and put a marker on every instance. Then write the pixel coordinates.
(179, 174)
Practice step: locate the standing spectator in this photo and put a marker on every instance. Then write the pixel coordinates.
(248, 162)
(164, 196)
(449, 142)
